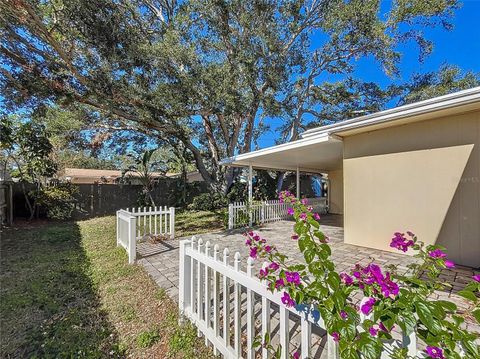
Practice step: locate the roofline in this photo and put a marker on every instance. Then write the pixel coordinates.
(417, 108)
(284, 146)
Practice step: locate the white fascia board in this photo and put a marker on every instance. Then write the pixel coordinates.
(456, 99)
(274, 149)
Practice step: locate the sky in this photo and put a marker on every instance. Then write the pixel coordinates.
(460, 47)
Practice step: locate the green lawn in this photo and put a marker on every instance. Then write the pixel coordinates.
(67, 291)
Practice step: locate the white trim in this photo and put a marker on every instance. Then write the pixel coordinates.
(455, 99)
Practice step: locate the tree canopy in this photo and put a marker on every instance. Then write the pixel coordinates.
(202, 75)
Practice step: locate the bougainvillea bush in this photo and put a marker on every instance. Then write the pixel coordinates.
(392, 301)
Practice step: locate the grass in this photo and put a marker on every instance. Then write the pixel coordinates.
(67, 291)
(188, 223)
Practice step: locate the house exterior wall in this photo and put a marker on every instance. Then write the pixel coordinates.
(423, 177)
(336, 191)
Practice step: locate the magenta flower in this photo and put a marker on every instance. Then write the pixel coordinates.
(253, 252)
(437, 253)
(279, 283)
(303, 216)
(343, 314)
(346, 279)
(336, 336)
(294, 237)
(248, 242)
(476, 278)
(366, 307)
(268, 249)
(273, 266)
(287, 300)
(292, 277)
(263, 272)
(373, 332)
(449, 264)
(400, 242)
(296, 355)
(304, 201)
(290, 211)
(316, 216)
(434, 352)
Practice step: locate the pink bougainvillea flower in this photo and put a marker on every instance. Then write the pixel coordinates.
(263, 272)
(287, 300)
(304, 201)
(292, 277)
(373, 332)
(400, 242)
(346, 279)
(296, 355)
(336, 336)
(437, 253)
(279, 283)
(366, 307)
(248, 242)
(268, 249)
(476, 278)
(253, 252)
(303, 216)
(449, 264)
(290, 211)
(343, 314)
(434, 352)
(294, 237)
(273, 266)
(316, 216)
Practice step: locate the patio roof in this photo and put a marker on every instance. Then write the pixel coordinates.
(321, 149)
(319, 154)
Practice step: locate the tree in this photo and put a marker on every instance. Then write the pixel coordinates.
(204, 73)
(26, 150)
(143, 168)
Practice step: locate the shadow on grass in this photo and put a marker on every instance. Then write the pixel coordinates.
(49, 306)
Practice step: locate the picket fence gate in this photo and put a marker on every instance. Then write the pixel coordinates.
(139, 223)
(241, 214)
(221, 299)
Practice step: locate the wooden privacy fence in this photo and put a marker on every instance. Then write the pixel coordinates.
(141, 223)
(229, 305)
(241, 214)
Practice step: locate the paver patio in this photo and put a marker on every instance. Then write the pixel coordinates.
(161, 259)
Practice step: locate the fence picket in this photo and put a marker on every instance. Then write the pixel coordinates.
(207, 291)
(250, 314)
(284, 331)
(265, 325)
(216, 299)
(226, 302)
(237, 309)
(200, 285)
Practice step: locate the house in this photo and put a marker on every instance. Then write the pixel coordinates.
(101, 176)
(415, 167)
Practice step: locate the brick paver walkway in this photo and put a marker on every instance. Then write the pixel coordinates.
(161, 260)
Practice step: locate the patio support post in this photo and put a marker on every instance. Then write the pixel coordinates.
(298, 182)
(250, 193)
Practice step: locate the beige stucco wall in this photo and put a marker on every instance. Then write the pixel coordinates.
(336, 191)
(423, 177)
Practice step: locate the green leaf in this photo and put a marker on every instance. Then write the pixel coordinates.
(426, 317)
(309, 255)
(468, 295)
(476, 314)
(447, 305)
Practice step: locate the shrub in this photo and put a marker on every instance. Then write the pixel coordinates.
(391, 300)
(209, 202)
(58, 200)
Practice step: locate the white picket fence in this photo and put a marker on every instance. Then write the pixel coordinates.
(241, 214)
(227, 305)
(139, 223)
